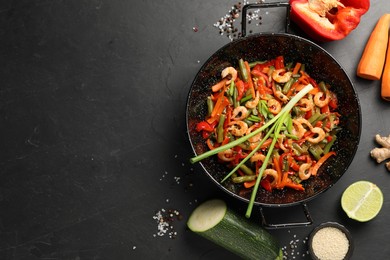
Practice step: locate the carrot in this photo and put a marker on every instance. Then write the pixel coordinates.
(209, 144)
(284, 180)
(315, 168)
(219, 85)
(296, 68)
(266, 143)
(249, 184)
(220, 105)
(374, 54)
(278, 170)
(314, 91)
(296, 186)
(385, 87)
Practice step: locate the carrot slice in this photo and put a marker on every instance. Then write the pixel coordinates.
(279, 171)
(266, 143)
(249, 184)
(374, 54)
(222, 102)
(295, 186)
(315, 168)
(219, 85)
(296, 68)
(284, 180)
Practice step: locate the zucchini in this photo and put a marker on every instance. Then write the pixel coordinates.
(215, 221)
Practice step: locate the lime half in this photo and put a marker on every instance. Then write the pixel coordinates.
(362, 201)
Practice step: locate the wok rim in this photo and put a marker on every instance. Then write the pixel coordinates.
(340, 67)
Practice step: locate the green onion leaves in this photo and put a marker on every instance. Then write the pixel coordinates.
(272, 127)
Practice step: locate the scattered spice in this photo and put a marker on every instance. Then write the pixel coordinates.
(229, 24)
(177, 179)
(163, 176)
(165, 222)
(296, 248)
(330, 243)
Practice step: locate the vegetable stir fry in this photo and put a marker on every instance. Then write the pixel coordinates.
(270, 123)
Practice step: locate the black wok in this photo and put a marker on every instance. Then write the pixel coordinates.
(321, 66)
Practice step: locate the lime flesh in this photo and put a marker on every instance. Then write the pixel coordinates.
(362, 201)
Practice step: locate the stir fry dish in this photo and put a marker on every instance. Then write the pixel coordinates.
(270, 123)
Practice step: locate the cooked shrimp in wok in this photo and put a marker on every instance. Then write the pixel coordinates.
(242, 104)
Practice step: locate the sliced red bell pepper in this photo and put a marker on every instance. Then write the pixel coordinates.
(259, 74)
(240, 89)
(294, 166)
(325, 109)
(265, 65)
(266, 184)
(204, 126)
(328, 20)
(308, 114)
(333, 102)
(279, 62)
(206, 135)
(238, 155)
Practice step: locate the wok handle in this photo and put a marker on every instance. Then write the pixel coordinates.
(308, 221)
(264, 5)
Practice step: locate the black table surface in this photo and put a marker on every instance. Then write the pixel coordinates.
(93, 134)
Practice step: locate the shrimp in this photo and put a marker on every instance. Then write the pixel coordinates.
(281, 144)
(257, 157)
(304, 172)
(306, 104)
(319, 100)
(274, 106)
(281, 78)
(298, 129)
(304, 122)
(226, 155)
(229, 71)
(281, 96)
(255, 138)
(238, 128)
(253, 103)
(273, 173)
(320, 135)
(239, 113)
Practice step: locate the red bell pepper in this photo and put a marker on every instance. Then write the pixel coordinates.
(266, 184)
(279, 62)
(206, 128)
(203, 125)
(328, 20)
(240, 89)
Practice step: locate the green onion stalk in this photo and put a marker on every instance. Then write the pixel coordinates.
(275, 125)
